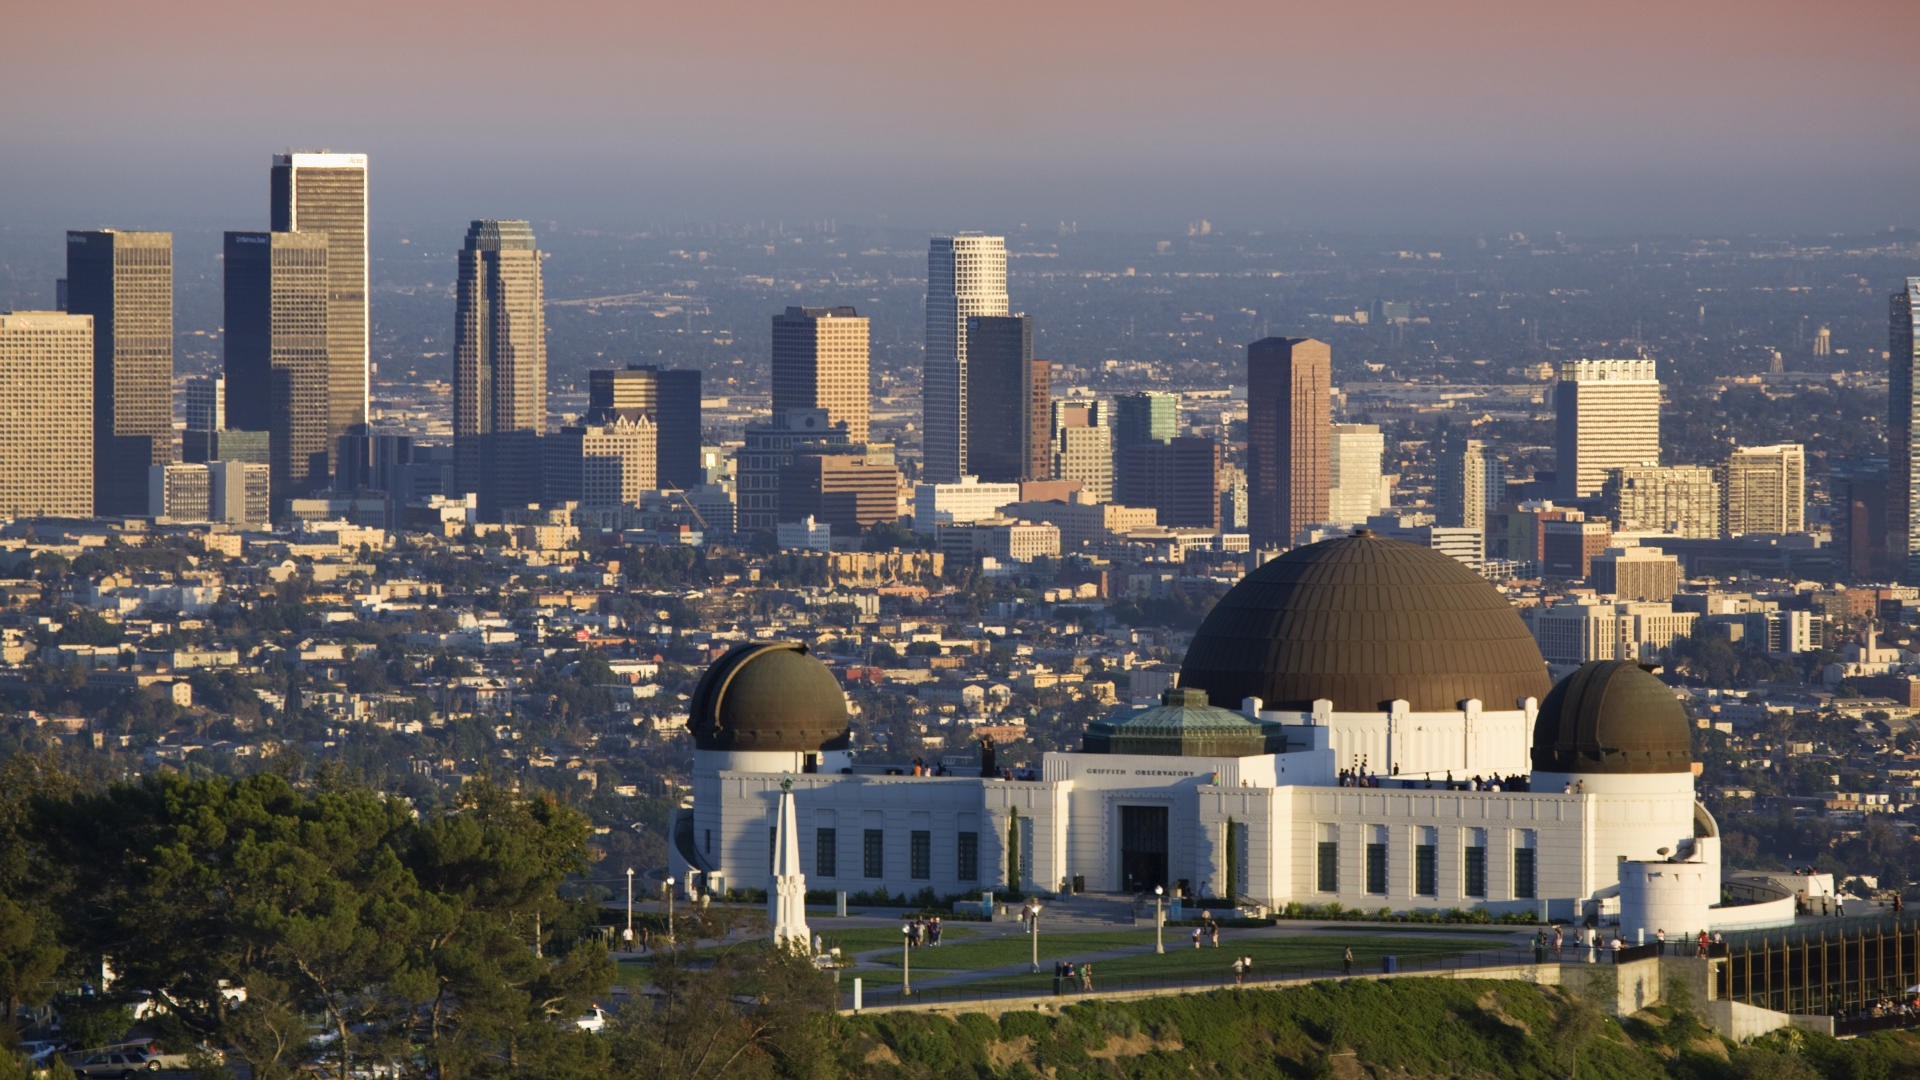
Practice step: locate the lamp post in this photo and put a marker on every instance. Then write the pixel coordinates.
(1033, 925)
(906, 959)
(628, 938)
(670, 943)
(1159, 920)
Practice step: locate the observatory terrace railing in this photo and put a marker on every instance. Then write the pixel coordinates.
(1829, 967)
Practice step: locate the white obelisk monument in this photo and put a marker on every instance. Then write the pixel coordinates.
(788, 897)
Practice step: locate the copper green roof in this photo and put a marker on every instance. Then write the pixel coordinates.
(768, 696)
(1184, 725)
(1612, 716)
(1362, 621)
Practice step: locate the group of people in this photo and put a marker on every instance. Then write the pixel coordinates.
(923, 931)
(1242, 967)
(1906, 1009)
(1359, 776)
(1065, 972)
(1207, 929)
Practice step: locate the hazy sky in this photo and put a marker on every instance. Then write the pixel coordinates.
(1463, 115)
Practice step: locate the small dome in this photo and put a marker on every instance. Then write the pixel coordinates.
(1362, 620)
(1184, 725)
(770, 695)
(1612, 716)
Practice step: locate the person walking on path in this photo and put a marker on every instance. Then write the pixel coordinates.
(1239, 971)
(1213, 931)
(1346, 961)
(1086, 977)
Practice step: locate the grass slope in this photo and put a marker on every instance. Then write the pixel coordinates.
(1395, 1028)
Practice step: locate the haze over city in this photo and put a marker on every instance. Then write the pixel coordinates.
(1624, 117)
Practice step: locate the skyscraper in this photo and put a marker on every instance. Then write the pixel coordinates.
(1179, 479)
(277, 334)
(670, 397)
(46, 429)
(1676, 500)
(1009, 404)
(499, 366)
(1289, 421)
(820, 362)
(1472, 484)
(206, 403)
(1607, 416)
(1765, 488)
(966, 276)
(327, 193)
(1083, 447)
(1142, 417)
(609, 463)
(125, 281)
(1358, 490)
(1903, 501)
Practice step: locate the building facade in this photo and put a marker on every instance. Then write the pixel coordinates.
(1083, 447)
(1178, 479)
(124, 280)
(499, 366)
(1606, 416)
(1765, 488)
(1672, 500)
(1289, 424)
(602, 465)
(820, 360)
(277, 337)
(326, 193)
(966, 276)
(1359, 489)
(206, 403)
(46, 414)
(768, 450)
(1009, 401)
(1472, 485)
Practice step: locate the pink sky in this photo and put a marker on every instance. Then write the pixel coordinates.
(1439, 109)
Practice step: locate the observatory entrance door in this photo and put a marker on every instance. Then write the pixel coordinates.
(1143, 847)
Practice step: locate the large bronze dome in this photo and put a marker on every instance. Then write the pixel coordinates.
(1362, 621)
(1611, 716)
(768, 695)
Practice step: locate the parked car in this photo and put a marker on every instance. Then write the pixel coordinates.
(594, 1021)
(121, 1064)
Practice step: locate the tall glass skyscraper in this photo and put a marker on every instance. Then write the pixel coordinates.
(499, 366)
(125, 281)
(277, 336)
(966, 276)
(327, 193)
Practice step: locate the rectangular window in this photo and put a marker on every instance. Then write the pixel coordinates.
(969, 869)
(873, 855)
(1476, 871)
(1377, 869)
(1523, 884)
(920, 855)
(773, 850)
(1426, 870)
(826, 852)
(1329, 866)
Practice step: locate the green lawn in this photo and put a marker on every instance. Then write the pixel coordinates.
(1000, 952)
(862, 939)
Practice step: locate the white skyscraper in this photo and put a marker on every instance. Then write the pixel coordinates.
(1607, 416)
(966, 276)
(327, 193)
(1359, 491)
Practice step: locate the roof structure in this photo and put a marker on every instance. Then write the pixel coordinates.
(1612, 716)
(1184, 725)
(1363, 621)
(770, 695)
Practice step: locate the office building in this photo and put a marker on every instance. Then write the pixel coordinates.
(206, 403)
(1009, 403)
(241, 492)
(1567, 547)
(1148, 416)
(200, 447)
(499, 366)
(847, 491)
(1472, 484)
(1083, 447)
(1859, 492)
(1903, 471)
(960, 502)
(966, 276)
(1289, 425)
(1635, 573)
(1359, 490)
(277, 334)
(670, 397)
(124, 280)
(602, 465)
(1606, 416)
(46, 414)
(1465, 546)
(1672, 500)
(181, 492)
(327, 193)
(1575, 632)
(820, 362)
(632, 392)
(769, 448)
(1765, 488)
(1178, 479)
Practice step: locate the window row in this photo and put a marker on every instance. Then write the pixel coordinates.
(1426, 866)
(873, 854)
